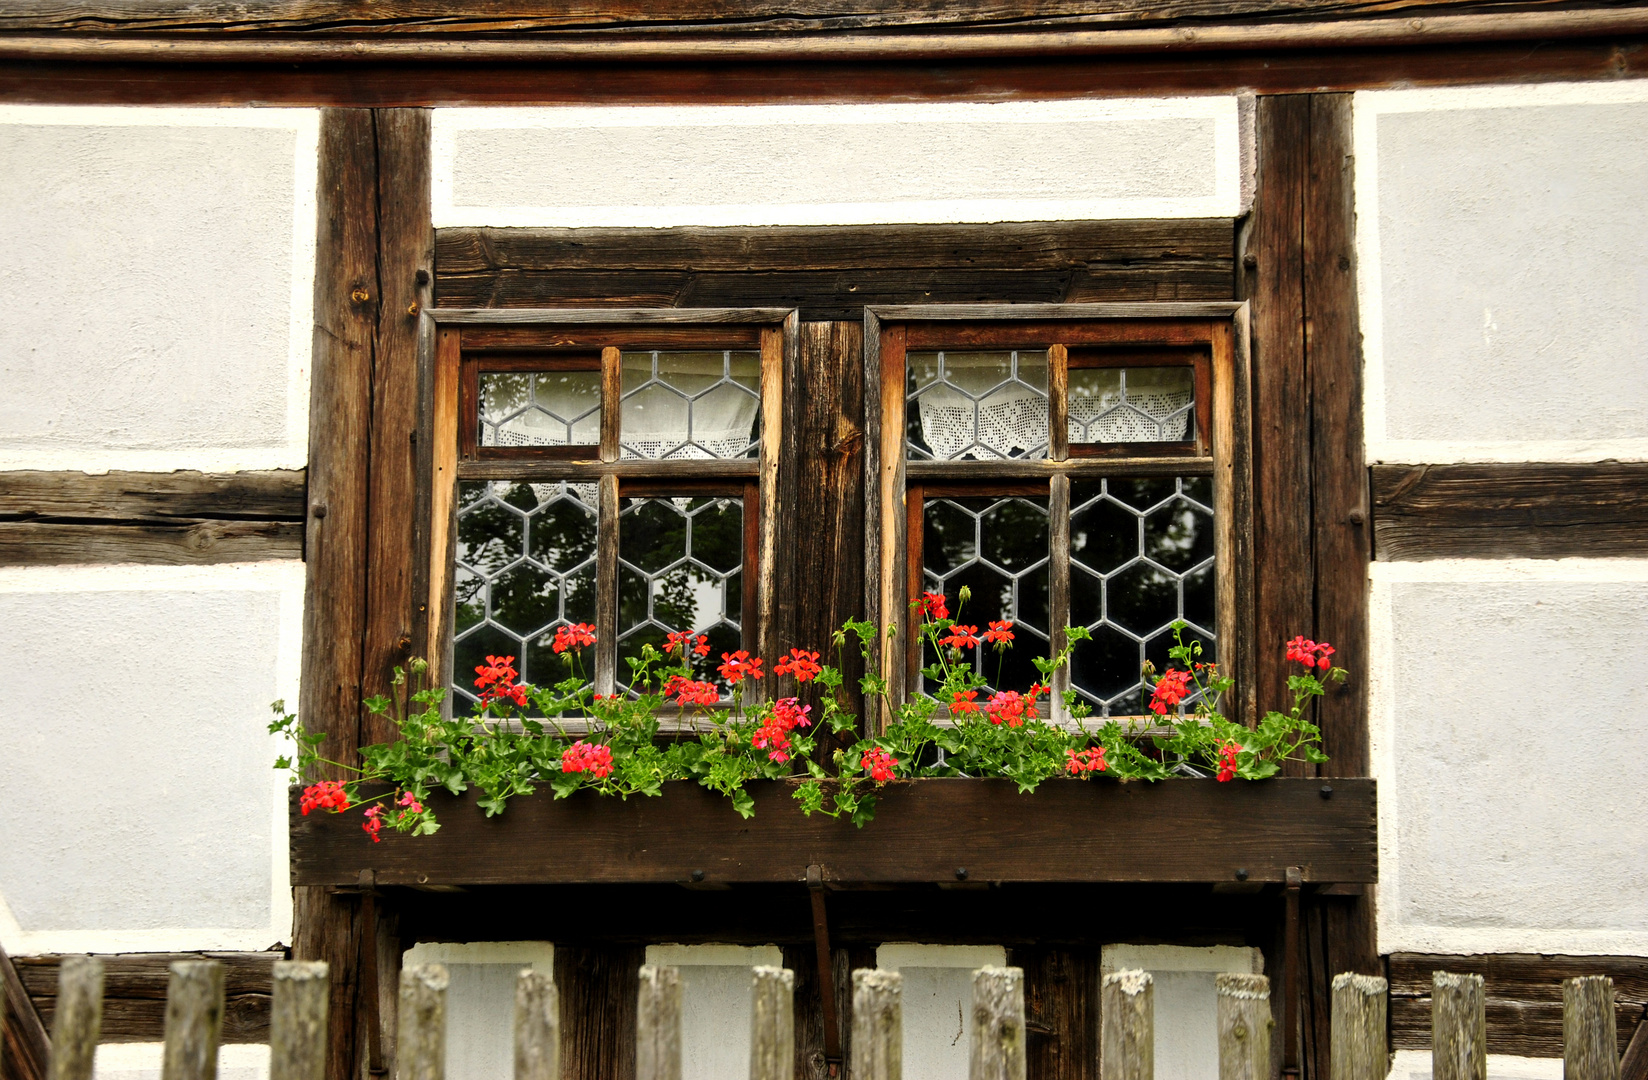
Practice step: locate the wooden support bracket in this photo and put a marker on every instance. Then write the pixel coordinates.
(1290, 946)
(826, 970)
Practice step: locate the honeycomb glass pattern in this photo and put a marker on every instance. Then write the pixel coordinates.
(539, 408)
(976, 405)
(680, 567)
(998, 548)
(525, 565)
(1122, 405)
(1141, 556)
(690, 404)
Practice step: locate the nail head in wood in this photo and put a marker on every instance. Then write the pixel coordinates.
(194, 1020)
(77, 1021)
(420, 1049)
(297, 1020)
(537, 1027)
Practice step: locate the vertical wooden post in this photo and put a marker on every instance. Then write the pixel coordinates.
(297, 1020)
(194, 1020)
(1590, 1039)
(1127, 1026)
(537, 1027)
(878, 1025)
(78, 1019)
(1459, 1041)
(999, 1051)
(1244, 1024)
(420, 1052)
(1358, 1041)
(658, 1024)
(772, 1024)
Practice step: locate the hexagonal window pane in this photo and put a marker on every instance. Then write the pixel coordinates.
(1124, 405)
(683, 404)
(540, 408)
(979, 405)
(652, 534)
(525, 599)
(1143, 598)
(1104, 535)
(717, 527)
(562, 534)
(1014, 532)
(949, 535)
(1106, 671)
(490, 536)
(1179, 536)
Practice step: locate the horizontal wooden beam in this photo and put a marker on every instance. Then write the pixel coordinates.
(1533, 510)
(1523, 993)
(628, 33)
(134, 993)
(1068, 831)
(54, 518)
(612, 316)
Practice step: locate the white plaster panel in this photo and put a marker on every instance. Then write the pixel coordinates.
(1508, 736)
(157, 287)
(654, 166)
(480, 1000)
(141, 1061)
(1503, 261)
(1416, 1065)
(938, 1003)
(143, 812)
(717, 993)
(1185, 999)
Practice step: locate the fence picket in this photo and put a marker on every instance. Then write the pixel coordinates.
(297, 1020)
(420, 1049)
(998, 1024)
(658, 1024)
(878, 1025)
(1244, 1024)
(78, 1020)
(1459, 1041)
(194, 1020)
(1590, 1037)
(537, 1027)
(772, 1024)
(1357, 1046)
(1127, 1044)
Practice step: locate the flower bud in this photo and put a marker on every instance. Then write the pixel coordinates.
(966, 594)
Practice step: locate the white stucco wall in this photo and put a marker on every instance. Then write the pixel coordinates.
(717, 990)
(840, 164)
(938, 1003)
(1502, 239)
(141, 810)
(1509, 734)
(1185, 999)
(158, 287)
(141, 1061)
(480, 1000)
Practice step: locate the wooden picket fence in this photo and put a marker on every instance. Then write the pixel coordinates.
(297, 1026)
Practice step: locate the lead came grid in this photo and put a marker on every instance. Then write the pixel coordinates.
(1141, 556)
(539, 408)
(680, 568)
(690, 404)
(998, 548)
(978, 405)
(525, 565)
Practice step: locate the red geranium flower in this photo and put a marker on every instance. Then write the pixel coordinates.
(593, 758)
(683, 639)
(1090, 760)
(1227, 761)
(1171, 689)
(1008, 707)
(1312, 654)
(960, 637)
(373, 822)
(879, 763)
(326, 795)
(1000, 632)
(575, 636)
(932, 606)
(691, 692)
(736, 667)
(962, 702)
(800, 663)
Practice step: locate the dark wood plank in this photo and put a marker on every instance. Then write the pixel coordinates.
(327, 926)
(275, 495)
(1530, 511)
(1067, 831)
(24, 1044)
(574, 317)
(1034, 245)
(1061, 1011)
(1633, 1064)
(396, 564)
(1524, 997)
(1281, 396)
(598, 985)
(31, 78)
(182, 542)
(820, 582)
(134, 993)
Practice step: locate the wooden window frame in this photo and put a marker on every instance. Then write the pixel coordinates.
(462, 342)
(1222, 450)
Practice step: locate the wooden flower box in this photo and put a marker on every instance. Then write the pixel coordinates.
(929, 830)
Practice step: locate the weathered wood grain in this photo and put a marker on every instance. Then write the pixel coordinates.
(658, 1024)
(1590, 1036)
(1061, 1010)
(24, 1044)
(537, 1027)
(599, 986)
(772, 1024)
(194, 1020)
(1503, 511)
(999, 1042)
(79, 1017)
(421, 1030)
(878, 1025)
(179, 543)
(1524, 997)
(1459, 1046)
(1242, 1014)
(134, 992)
(1066, 831)
(1127, 1026)
(32, 495)
(1358, 1032)
(297, 1021)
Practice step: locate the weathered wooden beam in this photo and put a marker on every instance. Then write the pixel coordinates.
(772, 1024)
(1524, 997)
(181, 543)
(34, 495)
(599, 988)
(24, 1044)
(999, 1047)
(1506, 511)
(658, 1024)
(1358, 1031)
(134, 993)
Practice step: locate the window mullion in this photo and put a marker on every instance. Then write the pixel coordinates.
(606, 586)
(1058, 519)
